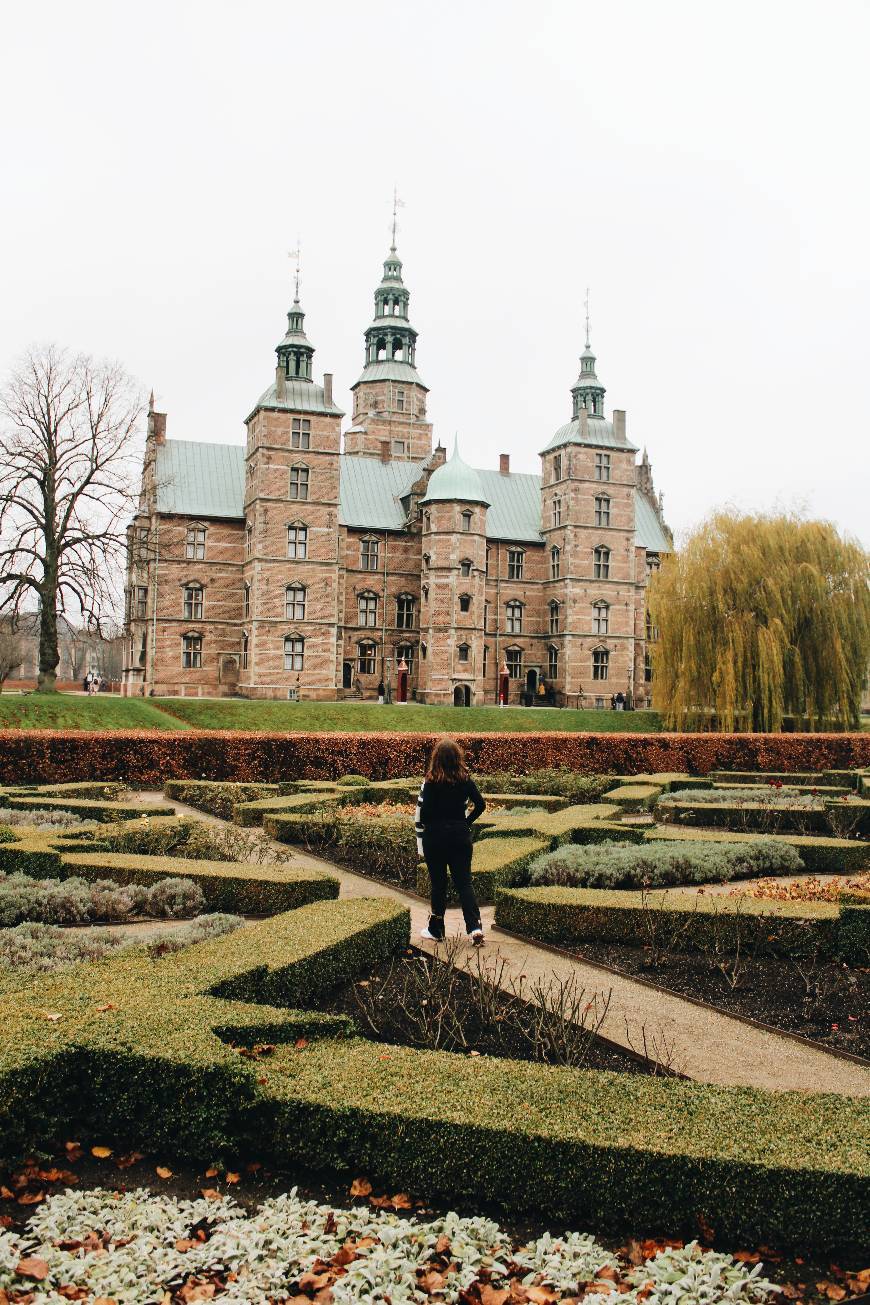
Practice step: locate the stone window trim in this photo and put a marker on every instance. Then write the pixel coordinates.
(369, 553)
(300, 433)
(295, 600)
(193, 600)
(297, 540)
(299, 482)
(555, 562)
(557, 511)
(602, 466)
(600, 616)
(405, 611)
(366, 657)
(601, 562)
(467, 518)
(191, 650)
(555, 616)
(465, 602)
(246, 601)
(513, 616)
(515, 563)
(600, 663)
(195, 541)
(552, 661)
(463, 652)
(245, 648)
(557, 467)
(367, 609)
(514, 660)
(602, 510)
(294, 651)
(465, 567)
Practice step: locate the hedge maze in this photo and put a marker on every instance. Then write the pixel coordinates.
(145, 1051)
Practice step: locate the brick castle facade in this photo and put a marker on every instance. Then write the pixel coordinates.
(314, 562)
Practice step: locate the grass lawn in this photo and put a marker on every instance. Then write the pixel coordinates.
(77, 712)
(68, 711)
(361, 717)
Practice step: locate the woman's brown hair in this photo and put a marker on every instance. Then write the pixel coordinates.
(447, 765)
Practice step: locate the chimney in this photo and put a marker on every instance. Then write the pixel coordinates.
(440, 455)
(504, 463)
(156, 431)
(385, 450)
(619, 424)
(280, 384)
(327, 388)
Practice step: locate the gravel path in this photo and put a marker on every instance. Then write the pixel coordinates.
(695, 1040)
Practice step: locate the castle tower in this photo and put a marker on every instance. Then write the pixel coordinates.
(290, 590)
(453, 580)
(389, 399)
(588, 523)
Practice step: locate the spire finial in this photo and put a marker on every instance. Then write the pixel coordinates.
(297, 254)
(588, 345)
(151, 402)
(456, 444)
(397, 204)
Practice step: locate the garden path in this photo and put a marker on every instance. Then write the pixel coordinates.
(701, 1043)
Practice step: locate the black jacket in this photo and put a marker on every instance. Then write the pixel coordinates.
(442, 804)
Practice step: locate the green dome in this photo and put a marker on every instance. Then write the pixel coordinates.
(455, 481)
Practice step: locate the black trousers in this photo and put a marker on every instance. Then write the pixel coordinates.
(448, 847)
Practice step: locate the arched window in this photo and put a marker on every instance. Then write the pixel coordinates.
(297, 542)
(600, 663)
(246, 602)
(555, 560)
(554, 618)
(193, 602)
(552, 662)
(294, 603)
(299, 479)
(405, 612)
(601, 563)
(366, 660)
(294, 652)
(600, 617)
(602, 510)
(367, 606)
(514, 617)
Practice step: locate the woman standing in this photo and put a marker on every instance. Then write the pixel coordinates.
(448, 804)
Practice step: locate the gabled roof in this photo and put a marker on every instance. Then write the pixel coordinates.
(208, 480)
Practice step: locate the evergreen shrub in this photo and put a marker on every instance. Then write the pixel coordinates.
(614, 865)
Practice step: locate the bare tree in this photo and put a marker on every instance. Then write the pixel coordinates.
(11, 649)
(68, 460)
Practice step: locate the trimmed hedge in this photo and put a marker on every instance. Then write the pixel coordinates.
(496, 863)
(226, 885)
(853, 933)
(762, 819)
(385, 850)
(217, 799)
(143, 757)
(86, 808)
(657, 864)
(838, 856)
(808, 778)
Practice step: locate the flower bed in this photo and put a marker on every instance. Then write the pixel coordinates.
(145, 758)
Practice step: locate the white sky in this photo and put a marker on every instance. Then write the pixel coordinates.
(703, 168)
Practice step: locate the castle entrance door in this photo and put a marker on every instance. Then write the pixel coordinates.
(347, 675)
(462, 695)
(531, 682)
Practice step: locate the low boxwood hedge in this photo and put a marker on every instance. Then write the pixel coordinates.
(691, 921)
(749, 818)
(838, 856)
(216, 797)
(86, 808)
(584, 823)
(812, 779)
(496, 863)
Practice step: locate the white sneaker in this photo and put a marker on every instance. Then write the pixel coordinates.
(429, 937)
(476, 937)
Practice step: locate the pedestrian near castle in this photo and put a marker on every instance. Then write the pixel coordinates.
(448, 804)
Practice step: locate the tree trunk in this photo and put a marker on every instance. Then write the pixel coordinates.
(49, 655)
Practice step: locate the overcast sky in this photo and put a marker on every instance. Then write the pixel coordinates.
(702, 167)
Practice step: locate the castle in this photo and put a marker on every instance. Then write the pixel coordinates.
(314, 564)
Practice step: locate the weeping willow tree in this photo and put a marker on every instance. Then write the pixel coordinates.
(760, 618)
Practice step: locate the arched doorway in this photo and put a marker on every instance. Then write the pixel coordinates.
(462, 695)
(347, 675)
(532, 682)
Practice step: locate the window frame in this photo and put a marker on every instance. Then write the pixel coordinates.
(195, 543)
(299, 543)
(294, 608)
(463, 653)
(554, 616)
(192, 606)
(600, 663)
(191, 651)
(603, 466)
(600, 624)
(410, 605)
(467, 519)
(300, 434)
(371, 656)
(294, 652)
(516, 560)
(513, 616)
(514, 661)
(555, 562)
(367, 606)
(302, 474)
(601, 562)
(602, 510)
(552, 661)
(465, 602)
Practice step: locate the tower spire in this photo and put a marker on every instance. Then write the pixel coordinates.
(397, 204)
(297, 254)
(588, 345)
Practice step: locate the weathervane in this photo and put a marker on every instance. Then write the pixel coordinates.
(588, 346)
(397, 204)
(297, 254)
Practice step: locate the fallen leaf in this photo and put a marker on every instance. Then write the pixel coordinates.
(231, 1177)
(6, 1195)
(606, 1271)
(101, 1152)
(210, 1194)
(187, 1244)
(381, 1202)
(432, 1281)
(310, 1282)
(32, 1267)
(747, 1257)
(300, 1043)
(832, 1290)
(105, 1300)
(442, 1246)
(540, 1295)
(490, 1295)
(211, 1173)
(402, 1201)
(162, 1172)
(31, 1198)
(110, 1005)
(345, 1254)
(52, 1015)
(360, 1187)
(127, 1161)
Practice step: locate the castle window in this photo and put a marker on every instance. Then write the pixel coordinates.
(143, 534)
(602, 511)
(194, 543)
(647, 667)
(514, 659)
(557, 511)
(405, 612)
(244, 656)
(367, 606)
(485, 616)
(557, 467)
(486, 561)
(398, 448)
(423, 652)
(652, 631)
(300, 435)
(368, 554)
(141, 601)
(246, 602)
(554, 618)
(400, 400)
(485, 659)
(602, 466)
(366, 658)
(600, 618)
(515, 563)
(553, 662)
(465, 602)
(294, 603)
(299, 482)
(405, 652)
(514, 618)
(555, 562)
(294, 652)
(191, 652)
(462, 652)
(466, 521)
(601, 563)
(465, 568)
(193, 602)
(297, 542)
(249, 540)
(600, 663)
(426, 561)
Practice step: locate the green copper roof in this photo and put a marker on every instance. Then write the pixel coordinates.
(208, 480)
(454, 481)
(299, 396)
(599, 433)
(390, 371)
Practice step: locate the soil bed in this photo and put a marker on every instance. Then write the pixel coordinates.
(385, 1005)
(826, 1000)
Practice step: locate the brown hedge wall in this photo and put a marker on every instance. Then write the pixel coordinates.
(144, 757)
